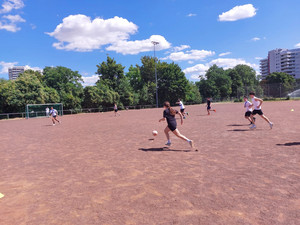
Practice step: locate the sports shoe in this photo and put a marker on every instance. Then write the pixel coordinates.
(184, 117)
(168, 144)
(187, 113)
(253, 126)
(53, 124)
(271, 125)
(191, 143)
(215, 110)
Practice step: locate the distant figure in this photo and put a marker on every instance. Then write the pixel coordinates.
(257, 102)
(47, 112)
(53, 113)
(248, 114)
(169, 114)
(116, 110)
(208, 102)
(182, 108)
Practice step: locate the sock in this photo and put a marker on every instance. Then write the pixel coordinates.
(188, 140)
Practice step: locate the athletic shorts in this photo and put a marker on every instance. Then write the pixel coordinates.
(257, 111)
(116, 110)
(54, 116)
(172, 127)
(182, 110)
(208, 107)
(248, 114)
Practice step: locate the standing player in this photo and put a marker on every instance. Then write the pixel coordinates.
(182, 108)
(53, 113)
(47, 112)
(169, 114)
(208, 102)
(248, 114)
(257, 102)
(116, 109)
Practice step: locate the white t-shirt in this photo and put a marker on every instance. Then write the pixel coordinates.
(53, 112)
(47, 110)
(247, 105)
(181, 105)
(256, 104)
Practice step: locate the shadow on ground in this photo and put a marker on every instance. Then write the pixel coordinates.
(289, 144)
(240, 130)
(236, 125)
(162, 149)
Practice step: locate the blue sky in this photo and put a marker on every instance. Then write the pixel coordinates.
(193, 33)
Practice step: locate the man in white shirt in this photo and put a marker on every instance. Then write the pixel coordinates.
(47, 112)
(182, 108)
(257, 102)
(53, 113)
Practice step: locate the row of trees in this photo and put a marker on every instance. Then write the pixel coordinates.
(136, 87)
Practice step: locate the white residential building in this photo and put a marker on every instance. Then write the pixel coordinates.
(281, 60)
(14, 72)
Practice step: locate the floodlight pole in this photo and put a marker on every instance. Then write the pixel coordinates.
(154, 44)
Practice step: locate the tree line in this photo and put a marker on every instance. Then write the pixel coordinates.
(135, 87)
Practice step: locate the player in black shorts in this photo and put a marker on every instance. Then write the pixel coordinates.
(169, 114)
(208, 102)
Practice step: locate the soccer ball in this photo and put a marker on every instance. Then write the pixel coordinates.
(154, 133)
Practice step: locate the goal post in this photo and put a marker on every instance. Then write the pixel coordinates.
(39, 110)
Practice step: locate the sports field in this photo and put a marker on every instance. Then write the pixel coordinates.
(101, 169)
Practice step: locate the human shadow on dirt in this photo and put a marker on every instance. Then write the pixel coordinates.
(240, 130)
(165, 149)
(237, 125)
(289, 144)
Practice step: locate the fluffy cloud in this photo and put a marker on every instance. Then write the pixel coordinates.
(226, 63)
(258, 58)
(5, 66)
(191, 14)
(224, 54)
(9, 22)
(238, 13)
(90, 80)
(9, 5)
(134, 47)
(27, 67)
(297, 45)
(180, 48)
(189, 55)
(81, 33)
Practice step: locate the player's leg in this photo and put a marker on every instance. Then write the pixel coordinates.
(167, 130)
(178, 134)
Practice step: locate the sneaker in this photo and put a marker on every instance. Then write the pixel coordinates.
(53, 124)
(184, 117)
(215, 110)
(191, 143)
(253, 126)
(168, 144)
(187, 113)
(271, 125)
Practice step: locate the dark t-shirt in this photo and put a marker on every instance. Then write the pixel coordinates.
(208, 103)
(170, 119)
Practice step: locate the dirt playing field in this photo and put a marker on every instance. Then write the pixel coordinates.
(101, 169)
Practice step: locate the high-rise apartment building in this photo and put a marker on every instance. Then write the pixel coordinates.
(14, 72)
(281, 60)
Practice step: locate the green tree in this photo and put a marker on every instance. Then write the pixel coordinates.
(281, 84)
(193, 95)
(67, 83)
(208, 88)
(236, 83)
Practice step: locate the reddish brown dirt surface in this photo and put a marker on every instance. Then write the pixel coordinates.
(101, 169)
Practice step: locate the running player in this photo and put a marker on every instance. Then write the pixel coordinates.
(182, 108)
(248, 114)
(53, 113)
(169, 114)
(116, 110)
(208, 102)
(257, 102)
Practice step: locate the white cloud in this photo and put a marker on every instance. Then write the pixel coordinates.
(9, 5)
(238, 13)
(189, 55)
(226, 63)
(90, 81)
(258, 58)
(190, 62)
(80, 33)
(255, 39)
(224, 54)
(180, 48)
(134, 47)
(27, 67)
(191, 14)
(5, 66)
(9, 22)
(297, 45)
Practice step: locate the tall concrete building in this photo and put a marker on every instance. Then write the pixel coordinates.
(281, 60)
(14, 72)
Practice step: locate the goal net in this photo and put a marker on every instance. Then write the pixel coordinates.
(42, 110)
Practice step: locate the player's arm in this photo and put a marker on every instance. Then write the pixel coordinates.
(260, 101)
(162, 119)
(181, 118)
